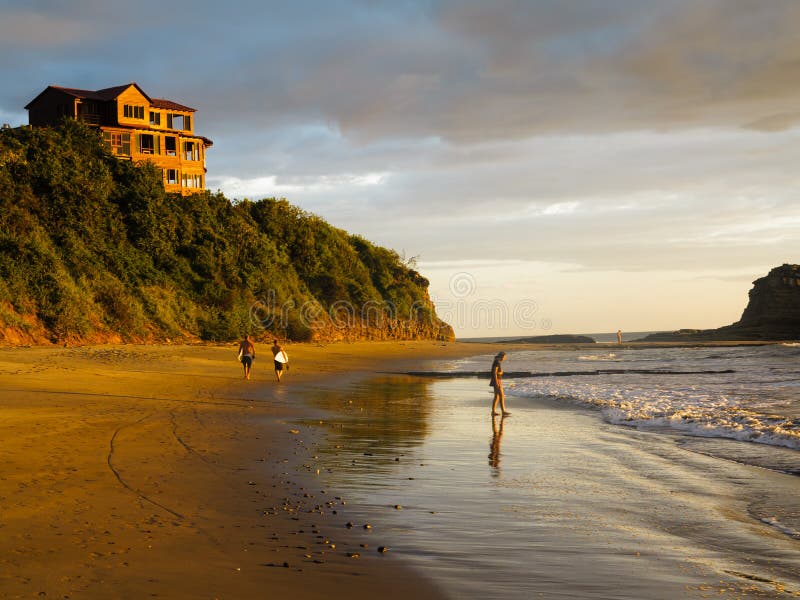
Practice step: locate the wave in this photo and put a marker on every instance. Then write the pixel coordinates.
(742, 393)
(610, 357)
(531, 374)
(774, 522)
(737, 424)
(690, 410)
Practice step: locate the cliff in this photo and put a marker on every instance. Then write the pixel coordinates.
(772, 313)
(92, 249)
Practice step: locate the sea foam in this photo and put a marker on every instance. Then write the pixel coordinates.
(756, 400)
(691, 410)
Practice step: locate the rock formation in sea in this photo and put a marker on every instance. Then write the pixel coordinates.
(773, 313)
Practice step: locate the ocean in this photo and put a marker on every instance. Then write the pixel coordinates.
(627, 336)
(621, 473)
(747, 393)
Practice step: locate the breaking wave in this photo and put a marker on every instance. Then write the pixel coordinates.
(691, 410)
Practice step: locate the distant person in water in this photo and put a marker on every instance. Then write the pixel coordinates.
(279, 364)
(497, 383)
(619, 336)
(247, 352)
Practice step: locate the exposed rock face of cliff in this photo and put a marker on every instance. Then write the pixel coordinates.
(774, 307)
(773, 312)
(383, 330)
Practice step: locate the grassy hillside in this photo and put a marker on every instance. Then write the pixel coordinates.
(93, 249)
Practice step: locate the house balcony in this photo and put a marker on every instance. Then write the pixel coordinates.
(90, 119)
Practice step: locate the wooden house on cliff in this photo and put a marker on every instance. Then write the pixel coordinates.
(135, 127)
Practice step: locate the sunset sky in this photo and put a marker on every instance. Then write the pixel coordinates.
(582, 165)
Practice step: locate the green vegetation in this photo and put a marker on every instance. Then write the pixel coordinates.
(93, 249)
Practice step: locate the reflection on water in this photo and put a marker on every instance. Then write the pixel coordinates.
(579, 509)
(494, 445)
(373, 424)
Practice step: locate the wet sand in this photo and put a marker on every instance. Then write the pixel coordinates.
(553, 502)
(157, 471)
(136, 471)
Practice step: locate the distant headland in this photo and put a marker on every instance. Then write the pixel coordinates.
(551, 339)
(772, 313)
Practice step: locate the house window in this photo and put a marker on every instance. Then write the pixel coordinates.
(149, 144)
(192, 181)
(175, 121)
(179, 122)
(90, 112)
(171, 176)
(170, 145)
(120, 143)
(133, 112)
(155, 118)
(191, 151)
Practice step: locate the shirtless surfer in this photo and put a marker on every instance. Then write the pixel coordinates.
(247, 352)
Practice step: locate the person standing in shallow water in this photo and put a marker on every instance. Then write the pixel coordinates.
(497, 383)
(247, 352)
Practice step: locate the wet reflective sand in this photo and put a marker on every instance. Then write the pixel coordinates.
(552, 502)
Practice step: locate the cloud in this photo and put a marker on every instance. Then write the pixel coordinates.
(561, 208)
(25, 28)
(280, 187)
(595, 136)
(469, 72)
(779, 122)
(464, 72)
(637, 202)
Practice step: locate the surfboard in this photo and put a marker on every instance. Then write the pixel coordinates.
(281, 357)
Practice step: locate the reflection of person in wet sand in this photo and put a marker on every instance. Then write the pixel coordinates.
(497, 383)
(494, 445)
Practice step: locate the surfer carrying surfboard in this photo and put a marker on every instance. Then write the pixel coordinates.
(281, 359)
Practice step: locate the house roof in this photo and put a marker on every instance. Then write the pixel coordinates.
(104, 94)
(170, 105)
(107, 94)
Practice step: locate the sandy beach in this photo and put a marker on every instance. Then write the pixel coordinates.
(157, 471)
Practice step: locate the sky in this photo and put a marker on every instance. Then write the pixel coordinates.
(561, 166)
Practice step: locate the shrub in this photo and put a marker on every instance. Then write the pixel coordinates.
(92, 244)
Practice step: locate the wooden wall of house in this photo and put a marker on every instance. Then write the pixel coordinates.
(50, 107)
(162, 158)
